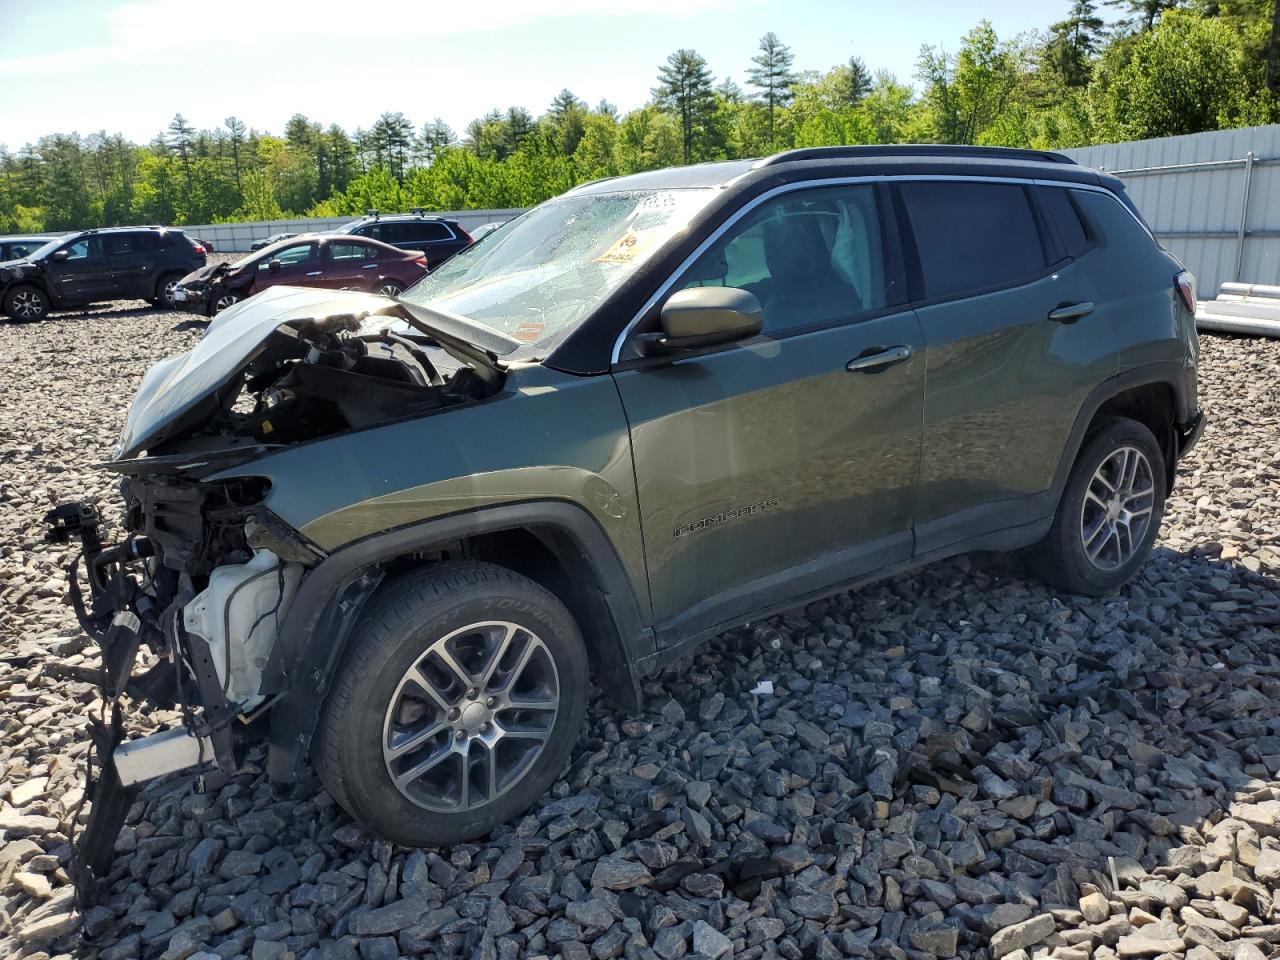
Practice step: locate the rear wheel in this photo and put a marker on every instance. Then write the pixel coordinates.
(26, 303)
(457, 706)
(390, 288)
(1109, 514)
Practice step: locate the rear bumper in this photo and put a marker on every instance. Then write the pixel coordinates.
(1189, 433)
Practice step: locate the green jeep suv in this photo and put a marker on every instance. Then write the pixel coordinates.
(405, 533)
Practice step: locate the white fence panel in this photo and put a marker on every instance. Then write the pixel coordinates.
(1212, 198)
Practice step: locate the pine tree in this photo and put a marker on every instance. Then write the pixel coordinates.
(1142, 14)
(860, 81)
(235, 131)
(685, 89)
(1072, 44)
(772, 75)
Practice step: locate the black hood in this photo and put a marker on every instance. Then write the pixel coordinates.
(13, 269)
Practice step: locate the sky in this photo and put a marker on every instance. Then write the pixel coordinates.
(127, 66)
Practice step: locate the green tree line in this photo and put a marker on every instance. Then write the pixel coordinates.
(1158, 68)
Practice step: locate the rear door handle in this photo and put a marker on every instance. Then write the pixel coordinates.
(316, 273)
(1071, 312)
(872, 362)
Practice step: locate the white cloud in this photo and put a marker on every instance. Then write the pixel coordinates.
(162, 32)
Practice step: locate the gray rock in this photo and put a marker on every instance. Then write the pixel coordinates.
(1019, 936)
(710, 942)
(614, 873)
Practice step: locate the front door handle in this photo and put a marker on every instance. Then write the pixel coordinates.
(871, 362)
(1071, 312)
(316, 273)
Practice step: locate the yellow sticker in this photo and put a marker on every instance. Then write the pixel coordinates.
(632, 245)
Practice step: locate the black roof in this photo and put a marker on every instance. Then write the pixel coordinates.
(925, 158)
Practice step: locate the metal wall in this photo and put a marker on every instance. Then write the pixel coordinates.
(236, 237)
(1212, 198)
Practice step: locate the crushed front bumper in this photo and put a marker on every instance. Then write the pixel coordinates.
(122, 617)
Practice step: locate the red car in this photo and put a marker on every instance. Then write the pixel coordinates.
(334, 261)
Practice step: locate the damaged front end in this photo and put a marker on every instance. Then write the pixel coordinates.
(206, 574)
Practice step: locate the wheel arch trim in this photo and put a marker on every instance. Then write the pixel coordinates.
(1168, 373)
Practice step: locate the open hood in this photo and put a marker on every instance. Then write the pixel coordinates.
(181, 389)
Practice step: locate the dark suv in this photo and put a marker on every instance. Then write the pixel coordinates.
(118, 263)
(647, 411)
(439, 238)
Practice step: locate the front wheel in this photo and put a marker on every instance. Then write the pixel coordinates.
(1109, 514)
(457, 705)
(226, 300)
(26, 303)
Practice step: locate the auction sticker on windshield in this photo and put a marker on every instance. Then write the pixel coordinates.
(632, 245)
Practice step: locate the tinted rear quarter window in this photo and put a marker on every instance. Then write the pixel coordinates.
(973, 236)
(1066, 220)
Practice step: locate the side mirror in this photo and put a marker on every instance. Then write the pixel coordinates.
(273, 266)
(705, 316)
(60, 256)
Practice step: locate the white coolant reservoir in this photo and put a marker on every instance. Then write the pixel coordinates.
(239, 616)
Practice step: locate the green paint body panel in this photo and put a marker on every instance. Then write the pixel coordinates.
(546, 435)
(827, 457)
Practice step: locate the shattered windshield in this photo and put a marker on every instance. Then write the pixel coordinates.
(543, 273)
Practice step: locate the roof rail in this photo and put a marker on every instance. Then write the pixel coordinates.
(912, 150)
(371, 213)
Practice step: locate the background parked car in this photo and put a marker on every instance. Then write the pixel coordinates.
(333, 261)
(15, 248)
(438, 237)
(268, 241)
(92, 266)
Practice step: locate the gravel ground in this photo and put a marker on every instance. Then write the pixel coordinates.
(955, 763)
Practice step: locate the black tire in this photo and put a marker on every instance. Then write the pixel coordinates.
(26, 303)
(397, 630)
(164, 293)
(389, 288)
(1061, 557)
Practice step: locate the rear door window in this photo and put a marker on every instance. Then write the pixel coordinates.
(428, 231)
(127, 244)
(349, 250)
(973, 237)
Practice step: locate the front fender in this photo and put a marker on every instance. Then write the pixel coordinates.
(331, 598)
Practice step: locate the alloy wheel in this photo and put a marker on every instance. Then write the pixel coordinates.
(471, 716)
(169, 289)
(224, 301)
(27, 305)
(390, 289)
(1116, 512)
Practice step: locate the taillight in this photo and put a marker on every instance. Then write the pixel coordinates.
(1185, 282)
(199, 250)
(422, 262)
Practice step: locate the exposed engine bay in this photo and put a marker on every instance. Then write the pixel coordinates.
(206, 574)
